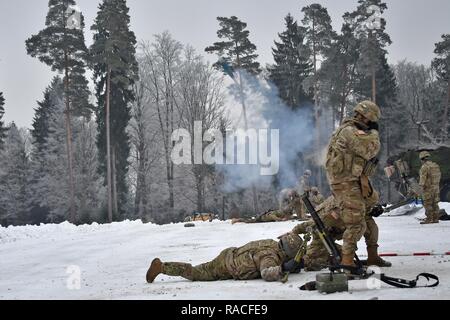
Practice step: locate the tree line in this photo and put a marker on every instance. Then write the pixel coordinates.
(105, 155)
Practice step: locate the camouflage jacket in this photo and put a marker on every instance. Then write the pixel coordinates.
(304, 185)
(317, 200)
(293, 206)
(430, 177)
(256, 259)
(349, 151)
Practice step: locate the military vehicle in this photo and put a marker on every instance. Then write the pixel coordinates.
(403, 169)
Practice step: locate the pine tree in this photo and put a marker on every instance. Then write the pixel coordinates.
(338, 73)
(45, 108)
(441, 64)
(40, 132)
(61, 46)
(319, 36)
(237, 52)
(291, 66)
(369, 27)
(14, 172)
(237, 47)
(2, 125)
(115, 71)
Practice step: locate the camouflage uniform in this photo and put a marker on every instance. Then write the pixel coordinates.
(304, 184)
(270, 216)
(257, 259)
(317, 256)
(350, 150)
(316, 197)
(372, 231)
(430, 177)
(291, 204)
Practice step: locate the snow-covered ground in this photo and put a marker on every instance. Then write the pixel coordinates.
(38, 262)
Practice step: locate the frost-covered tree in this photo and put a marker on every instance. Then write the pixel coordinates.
(145, 151)
(441, 64)
(90, 192)
(14, 173)
(2, 125)
(50, 188)
(162, 62)
(47, 108)
(201, 100)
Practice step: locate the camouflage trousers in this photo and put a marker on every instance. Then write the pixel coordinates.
(431, 204)
(317, 256)
(371, 234)
(353, 208)
(210, 271)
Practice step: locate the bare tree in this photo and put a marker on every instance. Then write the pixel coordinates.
(162, 62)
(420, 92)
(201, 100)
(145, 152)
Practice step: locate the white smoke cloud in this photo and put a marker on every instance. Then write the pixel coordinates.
(265, 110)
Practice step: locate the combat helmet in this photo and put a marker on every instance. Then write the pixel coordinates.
(315, 190)
(290, 244)
(368, 110)
(307, 173)
(424, 154)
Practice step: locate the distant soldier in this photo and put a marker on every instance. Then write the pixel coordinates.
(304, 185)
(258, 259)
(289, 205)
(430, 177)
(269, 216)
(316, 197)
(352, 149)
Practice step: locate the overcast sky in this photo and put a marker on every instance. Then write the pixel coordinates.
(414, 26)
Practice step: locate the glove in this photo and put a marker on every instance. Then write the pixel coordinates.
(293, 266)
(376, 211)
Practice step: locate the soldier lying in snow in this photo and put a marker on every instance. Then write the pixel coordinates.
(290, 208)
(258, 259)
(200, 217)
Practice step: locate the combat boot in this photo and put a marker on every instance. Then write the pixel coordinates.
(374, 259)
(437, 216)
(155, 269)
(429, 221)
(348, 261)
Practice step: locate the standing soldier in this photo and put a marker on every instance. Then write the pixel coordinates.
(304, 183)
(430, 177)
(351, 151)
(303, 187)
